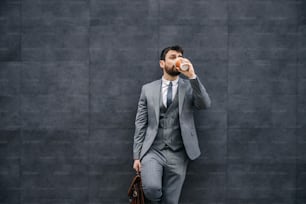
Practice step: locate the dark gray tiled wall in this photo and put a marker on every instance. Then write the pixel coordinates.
(70, 78)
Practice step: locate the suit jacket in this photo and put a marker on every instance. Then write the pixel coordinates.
(192, 95)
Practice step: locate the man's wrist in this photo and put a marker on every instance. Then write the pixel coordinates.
(193, 76)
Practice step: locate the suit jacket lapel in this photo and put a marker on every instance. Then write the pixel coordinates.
(181, 92)
(156, 92)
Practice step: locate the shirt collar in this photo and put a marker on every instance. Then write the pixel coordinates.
(174, 82)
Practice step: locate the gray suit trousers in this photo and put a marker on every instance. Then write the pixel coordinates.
(163, 173)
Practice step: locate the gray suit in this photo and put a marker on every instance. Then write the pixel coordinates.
(163, 170)
(191, 95)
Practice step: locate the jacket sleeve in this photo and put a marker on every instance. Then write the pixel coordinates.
(201, 99)
(141, 122)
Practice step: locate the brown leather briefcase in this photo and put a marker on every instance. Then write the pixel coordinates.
(135, 192)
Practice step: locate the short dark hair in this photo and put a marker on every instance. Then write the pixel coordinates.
(167, 49)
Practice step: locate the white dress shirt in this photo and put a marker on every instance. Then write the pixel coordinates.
(165, 85)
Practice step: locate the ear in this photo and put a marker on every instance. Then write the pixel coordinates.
(162, 63)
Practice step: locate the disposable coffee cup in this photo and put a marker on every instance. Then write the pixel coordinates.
(182, 64)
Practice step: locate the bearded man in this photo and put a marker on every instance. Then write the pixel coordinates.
(165, 138)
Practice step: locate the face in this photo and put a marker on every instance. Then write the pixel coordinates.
(169, 63)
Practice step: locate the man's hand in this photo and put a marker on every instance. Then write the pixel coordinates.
(137, 165)
(188, 73)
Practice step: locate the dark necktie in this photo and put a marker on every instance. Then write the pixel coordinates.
(169, 95)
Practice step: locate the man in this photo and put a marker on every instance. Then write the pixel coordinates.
(165, 138)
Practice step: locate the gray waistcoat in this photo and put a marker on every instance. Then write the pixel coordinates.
(169, 130)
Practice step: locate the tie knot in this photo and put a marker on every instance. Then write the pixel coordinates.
(170, 84)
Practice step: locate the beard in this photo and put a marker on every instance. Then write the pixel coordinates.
(172, 71)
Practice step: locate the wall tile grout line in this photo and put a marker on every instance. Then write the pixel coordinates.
(20, 103)
(227, 101)
(89, 131)
(296, 102)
